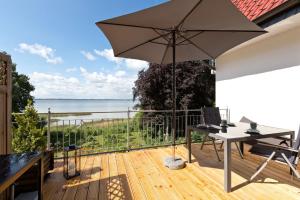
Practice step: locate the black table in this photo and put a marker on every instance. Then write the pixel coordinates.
(13, 166)
(237, 134)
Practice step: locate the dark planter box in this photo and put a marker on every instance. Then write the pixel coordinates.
(28, 182)
(48, 161)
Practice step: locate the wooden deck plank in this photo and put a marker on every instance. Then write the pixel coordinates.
(209, 188)
(144, 176)
(162, 185)
(72, 185)
(114, 187)
(273, 175)
(132, 189)
(242, 171)
(215, 173)
(141, 175)
(93, 189)
(135, 182)
(55, 183)
(181, 179)
(104, 178)
(82, 189)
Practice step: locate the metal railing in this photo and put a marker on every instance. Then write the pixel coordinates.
(102, 132)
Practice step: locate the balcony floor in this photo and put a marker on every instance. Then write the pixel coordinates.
(141, 175)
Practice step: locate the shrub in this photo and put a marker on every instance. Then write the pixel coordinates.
(28, 132)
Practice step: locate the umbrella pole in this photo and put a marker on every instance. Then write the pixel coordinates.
(172, 162)
(174, 91)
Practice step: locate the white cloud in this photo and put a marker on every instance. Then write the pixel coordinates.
(109, 55)
(87, 85)
(43, 51)
(71, 69)
(120, 73)
(53, 85)
(129, 63)
(136, 64)
(88, 55)
(93, 77)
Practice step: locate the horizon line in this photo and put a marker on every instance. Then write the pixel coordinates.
(76, 99)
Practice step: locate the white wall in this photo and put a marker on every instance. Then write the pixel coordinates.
(261, 79)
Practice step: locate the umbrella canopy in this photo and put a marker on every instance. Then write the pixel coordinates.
(177, 31)
(204, 29)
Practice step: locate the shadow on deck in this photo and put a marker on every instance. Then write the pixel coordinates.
(141, 175)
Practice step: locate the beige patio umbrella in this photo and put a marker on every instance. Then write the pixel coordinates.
(176, 31)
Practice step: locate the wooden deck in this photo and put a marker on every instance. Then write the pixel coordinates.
(141, 175)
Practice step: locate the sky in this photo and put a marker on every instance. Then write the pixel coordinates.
(57, 44)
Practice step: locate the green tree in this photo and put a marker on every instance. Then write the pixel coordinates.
(21, 89)
(28, 134)
(195, 88)
(194, 80)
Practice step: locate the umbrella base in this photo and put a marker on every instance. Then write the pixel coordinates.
(178, 163)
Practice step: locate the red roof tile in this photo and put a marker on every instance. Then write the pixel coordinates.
(256, 8)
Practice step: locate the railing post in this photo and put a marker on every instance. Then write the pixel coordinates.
(128, 130)
(227, 114)
(186, 122)
(48, 129)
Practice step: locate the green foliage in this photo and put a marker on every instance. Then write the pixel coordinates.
(194, 80)
(111, 135)
(197, 137)
(90, 137)
(21, 89)
(28, 131)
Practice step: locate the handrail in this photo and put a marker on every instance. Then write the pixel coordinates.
(121, 111)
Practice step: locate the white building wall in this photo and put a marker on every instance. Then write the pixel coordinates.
(261, 79)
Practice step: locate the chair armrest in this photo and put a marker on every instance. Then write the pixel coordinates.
(286, 137)
(279, 147)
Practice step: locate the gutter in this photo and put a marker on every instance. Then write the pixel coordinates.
(285, 10)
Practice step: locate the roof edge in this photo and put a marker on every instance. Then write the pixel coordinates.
(264, 19)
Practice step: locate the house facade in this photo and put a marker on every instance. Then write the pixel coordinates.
(260, 79)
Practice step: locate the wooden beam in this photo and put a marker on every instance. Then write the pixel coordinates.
(5, 105)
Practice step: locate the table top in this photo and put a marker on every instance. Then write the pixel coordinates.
(12, 166)
(237, 133)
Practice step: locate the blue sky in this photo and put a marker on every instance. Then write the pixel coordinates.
(57, 44)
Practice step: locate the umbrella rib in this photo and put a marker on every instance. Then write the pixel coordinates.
(158, 33)
(159, 43)
(165, 52)
(130, 25)
(188, 14)
(239, 31)
(195, 45)
(136, 46)
(190, 37)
